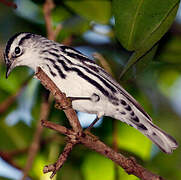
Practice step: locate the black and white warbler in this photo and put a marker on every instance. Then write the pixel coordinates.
(92, 89)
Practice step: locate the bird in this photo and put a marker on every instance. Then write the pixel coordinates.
(90, 87)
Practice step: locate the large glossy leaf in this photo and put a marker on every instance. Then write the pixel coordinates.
(140, 24)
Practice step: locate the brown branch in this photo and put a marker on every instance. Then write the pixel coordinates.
(103, 62)
(129, 164)
(88, 139)
(63, 157)
(68, 41)
(10, 100)
(9, 4)
(37, 136)
(8, 157)
(47, 8)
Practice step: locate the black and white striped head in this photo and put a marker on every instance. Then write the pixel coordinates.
(21, 50)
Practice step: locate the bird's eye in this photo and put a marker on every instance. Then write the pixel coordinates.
(17, 50)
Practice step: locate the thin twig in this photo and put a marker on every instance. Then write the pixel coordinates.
(37, 136)
(8, 157)
(68, 41)
(58, 29)
(88, 139)
(47, 8)
(103, 62)
(63, 157)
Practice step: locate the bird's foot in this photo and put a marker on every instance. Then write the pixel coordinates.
(64, 105)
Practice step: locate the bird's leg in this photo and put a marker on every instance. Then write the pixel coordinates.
(87, 131)
(99, 116)
(93, 123)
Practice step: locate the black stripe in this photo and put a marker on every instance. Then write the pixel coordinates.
(65, 48)
(141, 127)
(49, 51)
(54, 54)
(94, 83)
(81, 58)
(10, 41)
(63, 76)
(100, 78)
(106, 93)
(94, 74)
(77, 55)
(54, 49)
(128, 108)
(67, 60)
(28, 36)
(136, 104)
(52, 73)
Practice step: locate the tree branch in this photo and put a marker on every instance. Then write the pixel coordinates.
(37, 136)
(47, 8)
(8, 157)
(78, 136)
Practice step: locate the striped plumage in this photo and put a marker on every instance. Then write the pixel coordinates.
(77, 76)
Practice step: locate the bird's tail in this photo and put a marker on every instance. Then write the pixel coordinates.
(164, 141)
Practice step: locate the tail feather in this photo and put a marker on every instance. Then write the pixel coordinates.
(164, 141)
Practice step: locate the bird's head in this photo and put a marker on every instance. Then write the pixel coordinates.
(21, 50)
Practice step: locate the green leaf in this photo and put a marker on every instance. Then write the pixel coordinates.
(99, 11)
(140, 24)
(142, 62)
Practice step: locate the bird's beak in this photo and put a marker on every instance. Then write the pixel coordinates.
(9, 68)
